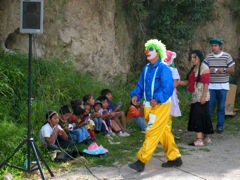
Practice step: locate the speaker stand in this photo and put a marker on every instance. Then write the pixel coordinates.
(29, 140)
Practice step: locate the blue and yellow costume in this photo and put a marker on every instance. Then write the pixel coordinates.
(156, 82)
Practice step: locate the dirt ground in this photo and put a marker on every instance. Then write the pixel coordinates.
(217, 161)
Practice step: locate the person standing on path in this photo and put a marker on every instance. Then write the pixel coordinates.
(221, 65)
(156, 86)
(197, 81)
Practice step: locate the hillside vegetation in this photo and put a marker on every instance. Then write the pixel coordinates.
(56, 82)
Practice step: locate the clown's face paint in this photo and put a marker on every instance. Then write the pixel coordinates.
(151, 54)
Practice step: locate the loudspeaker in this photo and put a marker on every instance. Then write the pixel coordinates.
(31, 20)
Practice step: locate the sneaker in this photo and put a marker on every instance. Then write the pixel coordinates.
(111, 142)
(219, 131)
(126, 134)
(175, 163)
(139, 166)
(108, 136)
(112, 133)
(121, 134)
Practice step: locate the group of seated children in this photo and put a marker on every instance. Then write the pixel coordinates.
(88, 116)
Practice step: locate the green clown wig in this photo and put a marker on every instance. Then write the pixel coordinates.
(158, 45)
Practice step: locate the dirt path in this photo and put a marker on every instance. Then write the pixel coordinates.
(218, 161)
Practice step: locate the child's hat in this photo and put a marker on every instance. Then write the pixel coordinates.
(97, 102)
(170, 57)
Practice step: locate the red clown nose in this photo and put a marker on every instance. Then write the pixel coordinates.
(146, 51)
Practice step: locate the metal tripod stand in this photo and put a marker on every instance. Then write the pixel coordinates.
(29, 140)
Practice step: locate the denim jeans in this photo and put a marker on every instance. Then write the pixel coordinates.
(140, 122)
(220, 96)
(73, 135)
(98, 123)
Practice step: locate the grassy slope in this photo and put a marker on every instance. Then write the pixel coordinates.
(56, 83)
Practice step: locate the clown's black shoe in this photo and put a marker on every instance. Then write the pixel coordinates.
(139, 166)
(175, 163)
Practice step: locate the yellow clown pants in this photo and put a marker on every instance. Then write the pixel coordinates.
(158, 132)
(170, 122)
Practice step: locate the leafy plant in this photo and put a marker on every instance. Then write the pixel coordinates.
(234, 6)
(173, 22)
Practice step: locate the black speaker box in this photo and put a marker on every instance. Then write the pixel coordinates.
(31, 20)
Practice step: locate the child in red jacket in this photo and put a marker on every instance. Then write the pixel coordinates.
(135, 114)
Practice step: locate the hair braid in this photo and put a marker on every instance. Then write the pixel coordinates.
(199, 76)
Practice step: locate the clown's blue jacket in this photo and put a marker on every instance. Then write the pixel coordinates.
(163, 85)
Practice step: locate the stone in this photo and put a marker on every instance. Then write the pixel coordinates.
(8, 176)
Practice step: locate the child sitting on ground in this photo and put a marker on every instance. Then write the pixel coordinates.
(115, 112)
(80, 124)
(106, 122)
(135, 114)
(64, 122)
(89, 99)
(52, 135)
(97, 118)
(75, 103)
(86, 117)
(106, 115)
(100, 123)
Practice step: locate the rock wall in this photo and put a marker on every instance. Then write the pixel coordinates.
(94, 36)
(89, 33)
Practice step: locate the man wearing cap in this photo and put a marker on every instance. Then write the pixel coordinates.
(221, 65)
(156, 86)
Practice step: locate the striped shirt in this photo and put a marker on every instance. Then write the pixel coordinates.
(223, 60)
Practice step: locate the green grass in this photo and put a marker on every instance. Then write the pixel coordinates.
(56, 83)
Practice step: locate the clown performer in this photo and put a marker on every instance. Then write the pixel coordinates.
(156, 86)
(175, 110)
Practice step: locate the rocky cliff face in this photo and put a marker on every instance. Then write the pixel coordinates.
(94, 35)
(90, 33)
